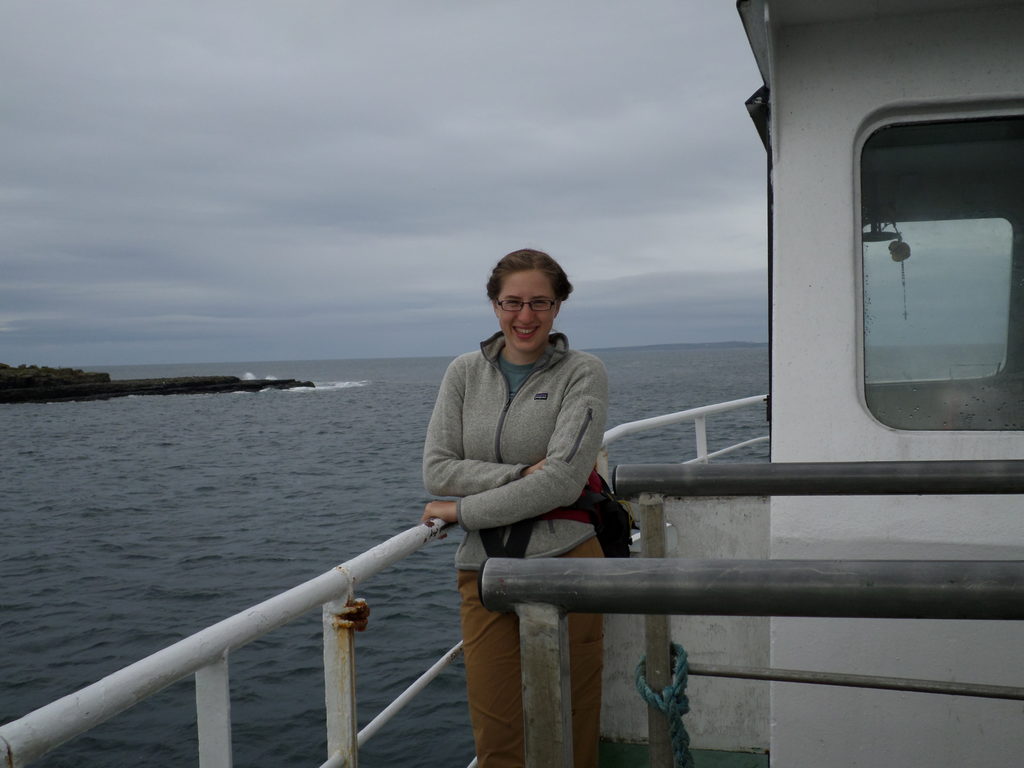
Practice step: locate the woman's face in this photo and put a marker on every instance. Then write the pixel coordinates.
(526, 331)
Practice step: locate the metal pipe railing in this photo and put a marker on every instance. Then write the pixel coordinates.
(728, 449)
(699, 418)
(543, 591)
(679, 417)
(822, 478)
(880, 682)
(388, 713)
(206, 652)
(895, 589)
(340, 760)
(656, 482)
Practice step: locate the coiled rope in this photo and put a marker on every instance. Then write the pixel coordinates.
(672, 701)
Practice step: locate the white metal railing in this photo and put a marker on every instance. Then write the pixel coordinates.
(699, 418)
(388, 713)
(206, 653)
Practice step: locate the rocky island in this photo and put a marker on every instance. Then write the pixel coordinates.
(40, 384)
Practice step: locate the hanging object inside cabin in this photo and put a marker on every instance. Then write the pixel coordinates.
(899, 251)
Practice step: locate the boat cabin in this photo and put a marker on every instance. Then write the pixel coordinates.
(895, 141)
(894, 135)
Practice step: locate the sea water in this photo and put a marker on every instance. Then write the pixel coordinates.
(130, 523)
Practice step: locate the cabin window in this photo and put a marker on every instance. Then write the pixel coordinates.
(943, 275)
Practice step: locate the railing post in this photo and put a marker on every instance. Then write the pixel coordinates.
(658, 637)
(700, 427)
(547, 693)
(341, 620)
(213, 714)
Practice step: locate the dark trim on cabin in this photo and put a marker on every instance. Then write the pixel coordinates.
(752, 15)
(759, 109)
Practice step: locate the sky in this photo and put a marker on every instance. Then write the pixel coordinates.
(253, 181)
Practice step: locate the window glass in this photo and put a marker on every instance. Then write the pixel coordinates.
(941, 312)
(941, 305)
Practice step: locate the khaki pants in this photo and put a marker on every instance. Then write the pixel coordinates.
(494, 682)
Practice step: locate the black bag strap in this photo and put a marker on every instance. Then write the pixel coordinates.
(519, 532)
(515, 546)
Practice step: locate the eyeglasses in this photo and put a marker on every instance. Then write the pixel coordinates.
(515, 305)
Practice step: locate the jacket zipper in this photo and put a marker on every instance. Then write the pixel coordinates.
(580, 434)
(508, 404)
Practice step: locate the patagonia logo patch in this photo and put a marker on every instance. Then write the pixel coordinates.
(541, 396)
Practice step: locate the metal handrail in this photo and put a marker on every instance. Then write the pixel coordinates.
(543, 591)
(642, 425)
(699, 418)
(388, 713)
(204, 654)
(727, 450)
(878, 682)
(850, 478)
(934, 589)
(891, 589)
(396, 706)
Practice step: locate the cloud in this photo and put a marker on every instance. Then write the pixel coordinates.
(245, 174)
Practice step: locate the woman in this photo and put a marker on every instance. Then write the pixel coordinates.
(514, 435)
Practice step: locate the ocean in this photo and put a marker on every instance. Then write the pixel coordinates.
(131, 523)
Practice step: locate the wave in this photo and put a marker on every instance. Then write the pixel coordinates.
(319, 385)
(340, 384)
(327, 386)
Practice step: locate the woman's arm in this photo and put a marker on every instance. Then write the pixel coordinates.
(448, 510)
(571, 454)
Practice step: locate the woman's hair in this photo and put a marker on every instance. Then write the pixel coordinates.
(526, 259)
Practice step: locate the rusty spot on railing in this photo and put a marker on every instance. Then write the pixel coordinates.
(355, 615)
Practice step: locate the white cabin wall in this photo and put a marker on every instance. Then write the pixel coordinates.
(832, 84)
(819, 112)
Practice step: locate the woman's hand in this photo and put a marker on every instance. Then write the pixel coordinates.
(531, 469)
(445, 510)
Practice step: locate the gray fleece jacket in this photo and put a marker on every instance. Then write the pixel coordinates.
(479, 441)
